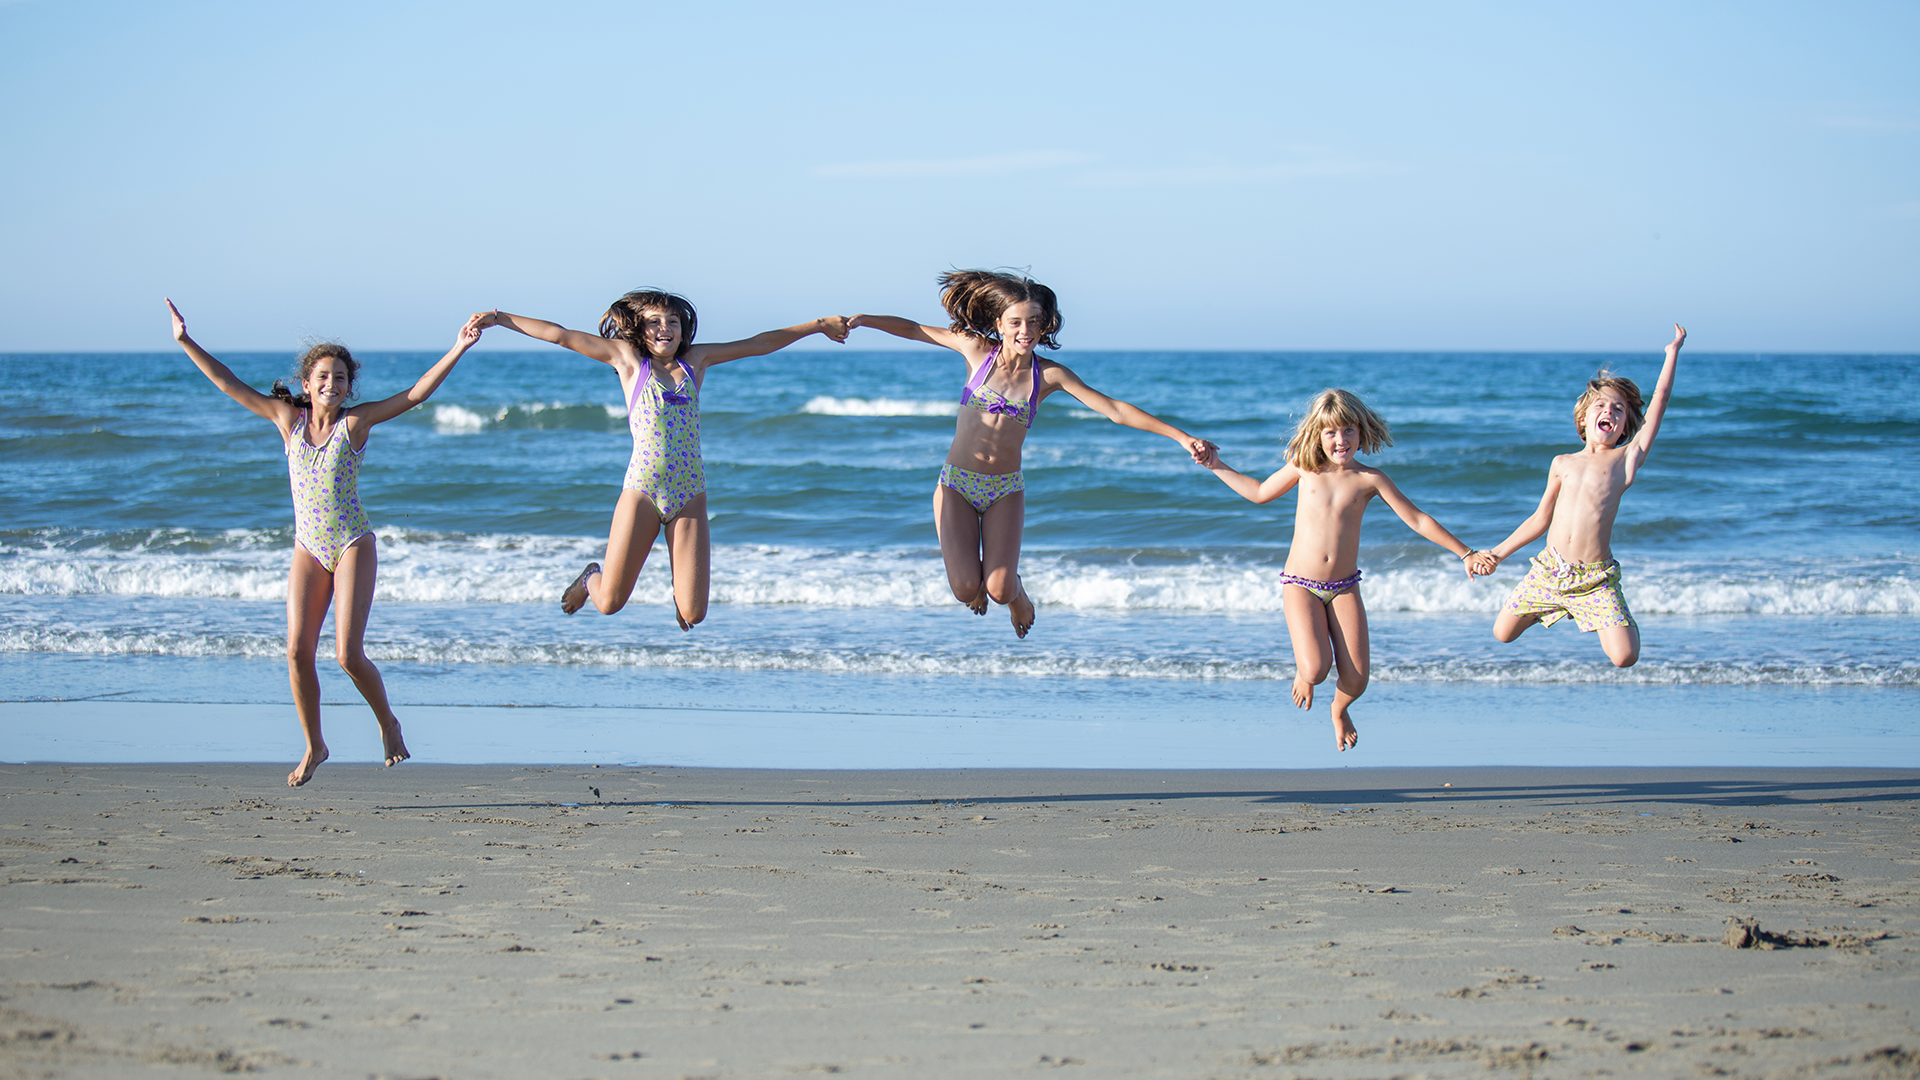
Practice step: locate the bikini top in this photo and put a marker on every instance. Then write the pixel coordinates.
(667, 393)
(978, 395)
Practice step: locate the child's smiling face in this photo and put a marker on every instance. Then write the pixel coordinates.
(1021, 326)
(1606, 418)
(660, 329)
(327, 383)
(1340, 443)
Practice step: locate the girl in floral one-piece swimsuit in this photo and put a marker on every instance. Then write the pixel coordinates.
(334, 558)
(647, 338)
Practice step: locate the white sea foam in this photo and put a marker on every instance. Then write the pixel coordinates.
(834, 406)
(869, 660)
(422, 567)
(460, 420)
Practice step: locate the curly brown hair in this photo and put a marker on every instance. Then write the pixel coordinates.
(321, 350)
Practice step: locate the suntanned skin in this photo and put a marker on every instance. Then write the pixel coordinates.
(1583, 497)
(310, 588)
(636, 521)
(1326, 547)
(982, 551)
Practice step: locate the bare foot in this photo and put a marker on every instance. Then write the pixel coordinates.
(1302, 694)
(576, 594)
(396, 746)
(978, 605)
(1020, 608)
(1345, 735)
(304, 771)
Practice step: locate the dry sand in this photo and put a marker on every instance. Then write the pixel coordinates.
(456, 921)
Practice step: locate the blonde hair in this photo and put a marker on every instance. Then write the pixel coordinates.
(1628, 391)
(1335, 409)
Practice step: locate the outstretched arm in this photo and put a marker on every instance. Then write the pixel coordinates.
(1662, 392)
(1062, 377)
(1259, 491)
(1530, 529)
(913, 331)
(1420, 521)
(378, 412)
(591, 346)
(705, 356)
(266, 406)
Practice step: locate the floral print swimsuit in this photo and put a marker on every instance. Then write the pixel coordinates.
(665, 423)
(327, 517)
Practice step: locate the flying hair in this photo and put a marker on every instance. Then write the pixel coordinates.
(1335, 409)
(975, 299)
(626, 318)
(316, 352)
(1628, 391)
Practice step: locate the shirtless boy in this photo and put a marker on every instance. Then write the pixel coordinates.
(1577, 574)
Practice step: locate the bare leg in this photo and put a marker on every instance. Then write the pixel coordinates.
(1307, 626)
(352, 601)
(629, 541)
(1352, 655)
(1000, 529)
(690, 552)
(1622, 644)
(1507, 627)
(309, 590)
(958, 525)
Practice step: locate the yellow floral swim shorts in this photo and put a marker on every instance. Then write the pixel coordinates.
(1555, 588)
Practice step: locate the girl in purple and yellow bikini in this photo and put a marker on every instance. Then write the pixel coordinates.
(1321, 584)
(334, 560)
(979, 504)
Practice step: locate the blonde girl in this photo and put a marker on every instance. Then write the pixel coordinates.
(1321, 584)
(334, 559)
(980, 502)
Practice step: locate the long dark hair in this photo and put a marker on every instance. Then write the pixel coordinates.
(975, 299)
(325, 350)
(626, 318)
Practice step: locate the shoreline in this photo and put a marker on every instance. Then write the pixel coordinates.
(507, 921)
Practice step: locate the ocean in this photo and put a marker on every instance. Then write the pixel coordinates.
(1771, 550)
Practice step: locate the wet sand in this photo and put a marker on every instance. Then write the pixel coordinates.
(483, 921)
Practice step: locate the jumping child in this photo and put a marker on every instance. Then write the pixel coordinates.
(647, 338)
(1577, 574)
(334, 560)
(1321, 584)
(980, 503)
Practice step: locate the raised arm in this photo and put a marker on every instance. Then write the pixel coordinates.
(705, 356)
(1061, 377)
(913, 331)
(1531, 529)
(1419, 520)
(1250, 489)
(378, 412)
(266, 406)
(591, 346)
(1657, 405)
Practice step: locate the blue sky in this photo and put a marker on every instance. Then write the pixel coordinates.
(1267, 176)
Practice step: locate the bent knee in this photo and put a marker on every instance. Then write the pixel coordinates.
(1002, 584)
(1626, 661)
(1352, 685)
(694, 617)
(609, 606)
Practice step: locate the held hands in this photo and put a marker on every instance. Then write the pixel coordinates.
(1481, 563)
(470, 332)
(837, 327)
(1205, 454)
